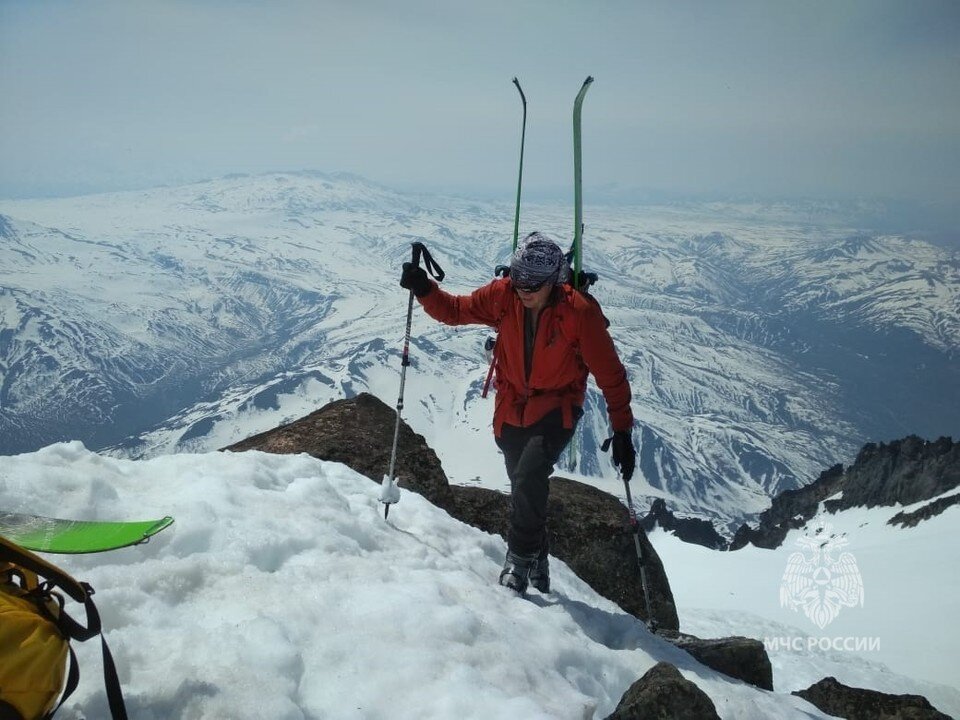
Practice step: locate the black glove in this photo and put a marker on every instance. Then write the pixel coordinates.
(624, 456)
(415, 278)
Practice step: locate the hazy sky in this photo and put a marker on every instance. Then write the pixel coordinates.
(809, 97)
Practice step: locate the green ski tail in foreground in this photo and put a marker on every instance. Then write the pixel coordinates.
(56, 535)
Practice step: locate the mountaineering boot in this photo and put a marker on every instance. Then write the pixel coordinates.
(540, 573)
(516, 572)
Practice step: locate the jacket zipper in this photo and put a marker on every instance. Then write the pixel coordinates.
(533, 346)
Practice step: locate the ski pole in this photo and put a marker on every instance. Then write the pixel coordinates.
(389, 492)
(635, 526)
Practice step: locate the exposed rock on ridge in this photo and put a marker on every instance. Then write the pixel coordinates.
(589, 531)
(912, 519)
(843, 701)
(902, 472)
(789, 510)
(738, 657)
(357, 433)
(691, 530)
(663, 692)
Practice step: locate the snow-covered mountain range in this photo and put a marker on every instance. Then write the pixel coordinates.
(761, 349)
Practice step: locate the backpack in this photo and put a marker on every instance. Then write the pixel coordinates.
(35, 636)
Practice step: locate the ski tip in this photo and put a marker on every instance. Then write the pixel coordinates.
(161, 524)
(524, 98)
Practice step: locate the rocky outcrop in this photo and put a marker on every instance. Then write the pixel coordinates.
(839, 700)
(663, 692)
(358, 432)
(912, 519)
(589, 529)
(789, 510)
(900, 472)
(692, 530)
(737, 657)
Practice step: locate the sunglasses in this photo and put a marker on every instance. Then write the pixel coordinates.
(526, 288)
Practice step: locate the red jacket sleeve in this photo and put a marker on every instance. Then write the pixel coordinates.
(482, 306)
(600, 357)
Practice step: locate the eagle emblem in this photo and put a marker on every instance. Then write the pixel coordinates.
(821, 579)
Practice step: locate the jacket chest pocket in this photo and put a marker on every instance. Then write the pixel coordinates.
(556, 361)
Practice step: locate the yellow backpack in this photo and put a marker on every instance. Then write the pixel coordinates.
(35, 635)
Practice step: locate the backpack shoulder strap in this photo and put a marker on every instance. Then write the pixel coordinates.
(501, 310)
(13, 553)
(568, 317)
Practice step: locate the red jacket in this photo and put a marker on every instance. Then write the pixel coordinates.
(571, 340)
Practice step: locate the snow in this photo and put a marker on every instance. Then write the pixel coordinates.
(281, 592)
(903, 639)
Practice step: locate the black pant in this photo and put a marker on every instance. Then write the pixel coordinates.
(530, 454)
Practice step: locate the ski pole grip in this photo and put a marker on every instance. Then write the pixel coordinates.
(431, 265)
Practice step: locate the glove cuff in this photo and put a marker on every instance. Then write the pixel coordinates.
(423, 290)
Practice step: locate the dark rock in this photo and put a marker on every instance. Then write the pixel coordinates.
(834, 698)
(912, 519)
(692, 530)
(767, 537)
(789, 510)
(803, 501)
(358, 432)
(664, 694)
(590, 531)
(902, 472)
(738, 657)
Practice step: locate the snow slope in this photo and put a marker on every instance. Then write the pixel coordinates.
(280, 592)
(903, 638)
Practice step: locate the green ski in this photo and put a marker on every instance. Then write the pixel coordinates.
(577, 228)
(523, 136)
(56, 535)
(503, 270)
(577, 189)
